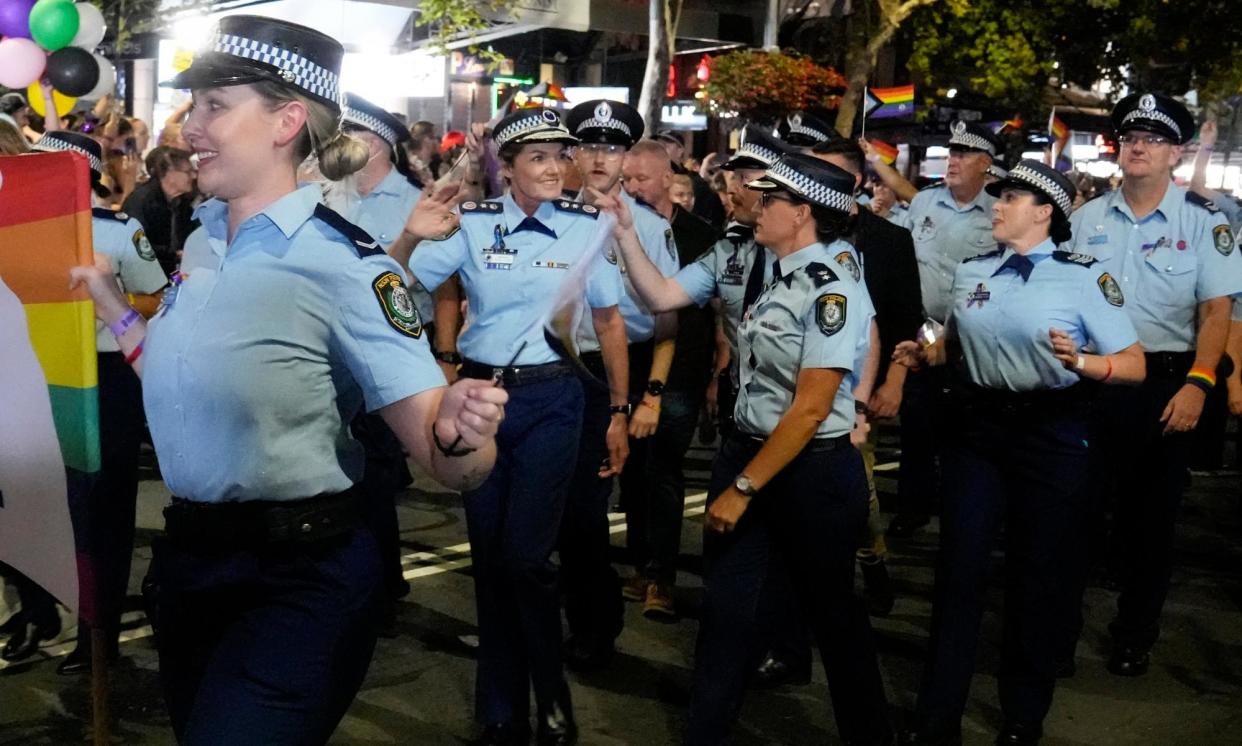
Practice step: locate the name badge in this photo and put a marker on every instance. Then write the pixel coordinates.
(498, 261)
(1099, 238)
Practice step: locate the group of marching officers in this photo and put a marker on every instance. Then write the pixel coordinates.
(1043, 360)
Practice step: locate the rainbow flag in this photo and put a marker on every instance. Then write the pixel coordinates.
(1014, 125)
(1057, 128)
(887, 153)
(886, 103)
(49, 355)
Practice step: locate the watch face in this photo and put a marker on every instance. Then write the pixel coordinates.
(743, 485)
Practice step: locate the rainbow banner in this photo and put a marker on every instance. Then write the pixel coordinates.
(1056, 128)
(49, 407)
(887, 103)
(887, 152)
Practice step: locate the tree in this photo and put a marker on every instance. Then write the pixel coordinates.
(763, 86)
(452, 20)
(663, 18)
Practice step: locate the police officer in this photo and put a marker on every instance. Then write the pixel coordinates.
(1172, 254)
(105, 523)
(513, 255)
(289, 320)
(1017, 450)
(950, 222)
(787, 479)
(593, 605)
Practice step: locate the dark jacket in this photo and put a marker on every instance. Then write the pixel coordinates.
(891, 274)
(696, 327)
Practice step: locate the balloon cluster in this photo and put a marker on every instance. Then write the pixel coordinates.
(54, 39)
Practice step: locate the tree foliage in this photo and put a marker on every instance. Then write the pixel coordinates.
(452, 20)
(767, 85)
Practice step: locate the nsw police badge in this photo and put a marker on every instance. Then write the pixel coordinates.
(141, 245)
(847, 261)
(1111, 290)
(830, 313)
(1222, 238)
(398, 307)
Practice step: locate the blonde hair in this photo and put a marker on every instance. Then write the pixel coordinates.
(11, 140)
(339, 154)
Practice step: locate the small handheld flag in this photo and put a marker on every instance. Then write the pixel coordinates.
(562, 321)
(887, 103)
(887, 152)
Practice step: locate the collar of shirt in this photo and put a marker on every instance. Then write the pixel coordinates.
(1037, 254)
(516, 220)
(1168, 204)
(790, 263)
(393, 183)
(979, 202)
(288, 214)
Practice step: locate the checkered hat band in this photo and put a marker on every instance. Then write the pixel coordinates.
(366, 121)
(298, 70)
(971, 140)
(611, 124)
(808, 189)
(1045, 185)
(754, 150)
(1156, 116)
(525, 125)
(800, 129)
(56, 145)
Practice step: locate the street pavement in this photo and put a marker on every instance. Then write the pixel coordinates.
(420, 686)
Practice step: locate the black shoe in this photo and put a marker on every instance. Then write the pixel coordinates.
(903, 526)
(1019, 735)
(556, 726)
(1065, 669)
(877, 587)
(916, 737)
(27, 637)
(1128, 661)
(504, 734)
(774, 672)
(77, 662)
(585, 653)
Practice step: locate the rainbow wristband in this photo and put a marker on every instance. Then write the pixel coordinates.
(1202, 378)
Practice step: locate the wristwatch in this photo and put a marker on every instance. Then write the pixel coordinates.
(625, 409)
(745, 486)
(655, 388)
(451, 358)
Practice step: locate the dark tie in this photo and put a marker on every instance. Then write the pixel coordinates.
(754, 281)
(531, 224)
(1019, 263)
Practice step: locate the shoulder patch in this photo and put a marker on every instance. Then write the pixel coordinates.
(1222, 239)
(821, 274)
(141, 245)
(483, 207)
(362, 242)
(988, 255)
(830, 313)
(1111, 290)
(1070, 257)
(396, 304)
(104, 213)
(1201, 201)
(580, 208)
(846, 260)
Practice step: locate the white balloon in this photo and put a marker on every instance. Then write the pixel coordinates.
(107, 79)
(91, 27)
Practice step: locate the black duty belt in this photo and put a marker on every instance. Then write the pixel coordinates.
(517, 375)
(1004, 400)
(258, 523)
(815, 445)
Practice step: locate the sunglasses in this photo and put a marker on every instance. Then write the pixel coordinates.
(767, 198)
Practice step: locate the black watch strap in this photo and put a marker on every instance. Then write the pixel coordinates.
(625, 409)
(452, 358)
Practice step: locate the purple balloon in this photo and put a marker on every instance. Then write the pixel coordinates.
(15, 17)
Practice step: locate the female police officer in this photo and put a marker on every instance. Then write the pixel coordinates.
(289, 320)
(1018, 449)
(787, 477)
(513, 255)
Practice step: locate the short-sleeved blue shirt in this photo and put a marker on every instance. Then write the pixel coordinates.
(944, 234)
(122, 239)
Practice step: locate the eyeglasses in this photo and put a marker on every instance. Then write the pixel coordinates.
(598, 148)
(767, 198)
(1144, 140)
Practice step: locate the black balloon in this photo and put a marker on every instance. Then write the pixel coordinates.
(72, 71)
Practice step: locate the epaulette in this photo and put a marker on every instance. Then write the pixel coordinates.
(1198, 199)
(1070, 257)
(483, 207)
(648, 205)
(417, 182)
(822, 274)
(358, 238)
(996, 252)
(933, 185)
(580, 208)
(104, 213)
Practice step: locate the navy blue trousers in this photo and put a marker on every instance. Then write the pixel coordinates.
(1028, 468)
(265, 646)
(812, 513)
(514, 519)
(924, 412)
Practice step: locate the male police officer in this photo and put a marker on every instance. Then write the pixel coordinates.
(1171, 255)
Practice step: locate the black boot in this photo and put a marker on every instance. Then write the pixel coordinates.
(877, 587)
(79, 661)
(774, 672)
(556, 726)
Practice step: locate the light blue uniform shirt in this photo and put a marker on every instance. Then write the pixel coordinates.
(121, 239)
(382, 213)
(945, 233)
(253, 374)
(721, 272)
(1002, 322)
(512, 270)
(898, 215)
(656, 236)
(1180, 255)
(813, 316)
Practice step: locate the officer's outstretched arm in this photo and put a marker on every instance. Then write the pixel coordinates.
(660, 293)
(451, 430)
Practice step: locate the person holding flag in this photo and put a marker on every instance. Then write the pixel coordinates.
(513, 256)
(288, 319)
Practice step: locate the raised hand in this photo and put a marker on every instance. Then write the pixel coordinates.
(433, 216)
